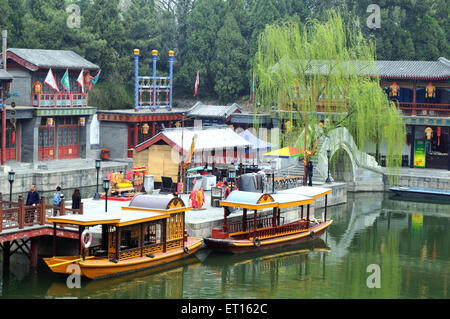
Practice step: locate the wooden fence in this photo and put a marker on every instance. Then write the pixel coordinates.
(16, 215)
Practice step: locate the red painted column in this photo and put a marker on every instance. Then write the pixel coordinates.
(3, 155)
(153, 128)
(135, 135)
(414, 99)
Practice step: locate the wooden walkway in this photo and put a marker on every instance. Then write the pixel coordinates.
(21, 226)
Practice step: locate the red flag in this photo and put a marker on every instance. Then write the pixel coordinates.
(197, 82)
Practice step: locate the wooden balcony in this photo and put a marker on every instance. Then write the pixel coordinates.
(424, 109)
(60, 100)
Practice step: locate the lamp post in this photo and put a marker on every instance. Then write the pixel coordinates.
(328, 180)
(11, 177)
(97, 167)
(273, 166)
(106, 185)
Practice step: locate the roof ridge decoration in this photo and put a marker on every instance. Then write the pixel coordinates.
(444, 61)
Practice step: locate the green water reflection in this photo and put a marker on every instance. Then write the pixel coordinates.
(408, 240)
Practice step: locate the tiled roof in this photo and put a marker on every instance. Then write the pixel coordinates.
(427, 70)
(216, 111)
(439, 69)
(53, 59)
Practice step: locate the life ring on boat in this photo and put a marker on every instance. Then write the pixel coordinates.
(186, 249)
(256, 242)
(85, 234)
(312, 233)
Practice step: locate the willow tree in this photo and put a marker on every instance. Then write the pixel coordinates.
(327, 69)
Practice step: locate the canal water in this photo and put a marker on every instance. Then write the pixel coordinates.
(377, 247)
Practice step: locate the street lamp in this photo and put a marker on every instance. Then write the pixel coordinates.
(11, 177)
(273, 166)
(97, 167)
(106, 185)
(328, 180)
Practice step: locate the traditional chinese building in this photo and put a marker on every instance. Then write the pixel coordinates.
(47, 123)
(421, 90)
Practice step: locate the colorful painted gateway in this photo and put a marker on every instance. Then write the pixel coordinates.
(257, 233)
(148, 233)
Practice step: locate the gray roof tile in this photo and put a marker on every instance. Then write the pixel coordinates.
(53, 58)
(217, 111)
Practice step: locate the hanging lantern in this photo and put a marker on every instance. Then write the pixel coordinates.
(82, 121)
(50, 122)
(394, 90)
(429, 133)
(37, 87)
(145, 128)
(439, 136)
(87, 80)
(430, 91)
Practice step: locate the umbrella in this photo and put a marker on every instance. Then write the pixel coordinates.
(285, 152)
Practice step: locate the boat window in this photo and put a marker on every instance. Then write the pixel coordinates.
(129, 237)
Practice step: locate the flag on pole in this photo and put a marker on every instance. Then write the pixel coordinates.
(65, 81)
(197, 82)
(50, 80)
(94, 80)
(80, 81)
(253, 88)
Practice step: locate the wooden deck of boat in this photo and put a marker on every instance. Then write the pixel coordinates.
(243, 245)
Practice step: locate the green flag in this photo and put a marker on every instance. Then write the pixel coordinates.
(94, 80)
(65, 81)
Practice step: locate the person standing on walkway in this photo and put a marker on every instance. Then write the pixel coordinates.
(76, 199)
(33, 196)
(57, 198)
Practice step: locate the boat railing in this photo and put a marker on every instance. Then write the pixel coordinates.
(249, 225)
(141, 251)
(301, 225)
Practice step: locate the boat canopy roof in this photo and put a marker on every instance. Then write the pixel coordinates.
(166, 204)
(249, 200)
(115, 218)
(314, 192)
(252, 200)
(291, 200)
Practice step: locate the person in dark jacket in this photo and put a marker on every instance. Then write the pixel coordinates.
(33, 196)
(76, 199)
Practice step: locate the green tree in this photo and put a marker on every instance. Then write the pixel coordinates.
(231, 61)
(203, 24)
(305, 69)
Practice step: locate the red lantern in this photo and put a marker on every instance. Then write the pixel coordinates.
(439, 135)
(394, 89)
(430, 91)
(87, 80)
(145, 128)
(37, 87)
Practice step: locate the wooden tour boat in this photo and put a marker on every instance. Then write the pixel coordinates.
(261, 232)
(149, 232)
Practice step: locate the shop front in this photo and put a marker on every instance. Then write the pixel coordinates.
(431, 147)
(59, 138)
